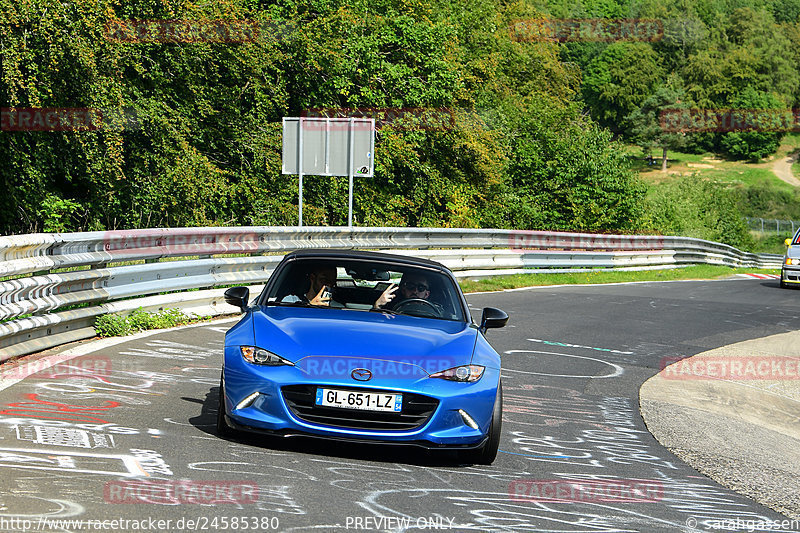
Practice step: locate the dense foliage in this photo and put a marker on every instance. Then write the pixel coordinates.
(711, 55)
(700, 209)
(207, 146)
(208, 143)
(531, 142)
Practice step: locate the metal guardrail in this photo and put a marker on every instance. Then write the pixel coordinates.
(57, 284)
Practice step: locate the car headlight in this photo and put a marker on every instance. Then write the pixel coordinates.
(792, 261)
(466, 373)
(261, 356)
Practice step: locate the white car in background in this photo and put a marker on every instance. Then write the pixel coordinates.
(790, 271)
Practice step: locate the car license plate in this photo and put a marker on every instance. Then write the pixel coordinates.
(367, 401)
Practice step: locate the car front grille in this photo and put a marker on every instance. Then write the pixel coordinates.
(417, 409)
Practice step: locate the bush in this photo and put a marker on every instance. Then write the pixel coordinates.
(769, 243)
(568, 174)
(764, 139)
(140, 320)
(764, 200)
(112, 326)
(703, 209)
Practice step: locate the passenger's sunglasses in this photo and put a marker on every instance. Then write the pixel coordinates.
(419, 287)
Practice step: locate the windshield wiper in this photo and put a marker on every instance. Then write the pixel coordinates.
(382, 310)
(289, 304)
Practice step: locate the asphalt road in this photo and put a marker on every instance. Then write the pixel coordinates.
(126, 433)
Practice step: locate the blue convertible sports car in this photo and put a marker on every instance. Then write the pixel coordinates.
(363, 346)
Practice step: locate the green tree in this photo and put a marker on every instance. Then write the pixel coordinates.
(205, 148)
(764, 119)
(752, 51)
(786, 11)
(619, 80)
(648, 123)
(567, 174)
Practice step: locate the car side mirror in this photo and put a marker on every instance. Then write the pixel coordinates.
(493, 318)
(788, 242)
(238, 297)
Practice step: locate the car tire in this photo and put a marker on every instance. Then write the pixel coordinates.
(486, 454)
(223, 429)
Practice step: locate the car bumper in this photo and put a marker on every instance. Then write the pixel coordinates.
(790, 274)
(272, 413)
(286, 433)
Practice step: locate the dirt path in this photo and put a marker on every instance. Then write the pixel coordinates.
(782, 167)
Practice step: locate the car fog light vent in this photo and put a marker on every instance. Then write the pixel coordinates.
(247, 402)
(468, 419)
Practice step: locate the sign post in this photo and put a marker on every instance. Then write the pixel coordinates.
(328, 147)
(299, 172)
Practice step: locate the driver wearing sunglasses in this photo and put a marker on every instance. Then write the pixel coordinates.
(412, 285)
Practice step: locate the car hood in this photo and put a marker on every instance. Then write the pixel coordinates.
(793, 251)
(309, 336)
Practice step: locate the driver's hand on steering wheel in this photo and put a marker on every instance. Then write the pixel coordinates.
(387, 296)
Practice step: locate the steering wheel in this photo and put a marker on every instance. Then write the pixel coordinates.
(425, 304)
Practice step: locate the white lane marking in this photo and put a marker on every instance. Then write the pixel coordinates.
(66, 509)
(70, 461)
(618, 370)
(46, 362)
(567, 345)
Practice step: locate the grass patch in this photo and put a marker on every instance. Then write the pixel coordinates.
(769, 243)
(140, 320)
(605, 276)
(712, 166)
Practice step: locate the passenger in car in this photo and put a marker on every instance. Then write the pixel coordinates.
(321, 280)
(412, 285)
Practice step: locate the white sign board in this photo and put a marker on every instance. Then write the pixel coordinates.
(325, 146)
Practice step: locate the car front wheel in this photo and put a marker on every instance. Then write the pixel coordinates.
(486, 454)
(223, 430)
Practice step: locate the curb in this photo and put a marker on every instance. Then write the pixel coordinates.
(740, 428)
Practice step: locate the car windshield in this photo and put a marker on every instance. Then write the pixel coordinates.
(367, 285)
